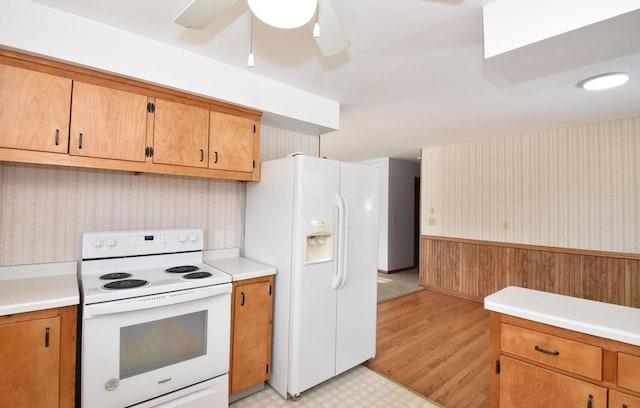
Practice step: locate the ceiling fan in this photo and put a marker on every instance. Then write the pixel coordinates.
(277, 13)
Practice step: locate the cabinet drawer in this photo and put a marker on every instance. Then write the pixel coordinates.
(572, 356)
(622, 400)
(629, 371)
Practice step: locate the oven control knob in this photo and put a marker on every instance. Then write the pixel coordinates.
(193, 237)
(112, 242)
(98, 243)
(182, 238)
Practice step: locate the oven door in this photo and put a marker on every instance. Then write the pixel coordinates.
(137, 349)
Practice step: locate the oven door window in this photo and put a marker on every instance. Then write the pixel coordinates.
(151, 345)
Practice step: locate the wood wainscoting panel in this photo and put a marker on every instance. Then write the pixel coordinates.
(475, 269)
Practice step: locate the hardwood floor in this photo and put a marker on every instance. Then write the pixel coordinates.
(437, 345)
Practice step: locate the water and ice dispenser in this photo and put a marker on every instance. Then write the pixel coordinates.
(319, 240)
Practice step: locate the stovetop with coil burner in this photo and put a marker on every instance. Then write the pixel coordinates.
(127, 264)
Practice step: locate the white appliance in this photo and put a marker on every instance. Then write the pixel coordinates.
(315, 220)
(155, 321)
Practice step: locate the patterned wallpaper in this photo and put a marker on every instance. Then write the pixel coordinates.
(279, 143)
(576, 187)
(45, 209)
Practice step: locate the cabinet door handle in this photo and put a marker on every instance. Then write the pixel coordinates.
(57, 139)
(201, 155)
(545, 351)
(590, 402)
(242, 301)
(46, 337)
(216, 157)
(80, 141)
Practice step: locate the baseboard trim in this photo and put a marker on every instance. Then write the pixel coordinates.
(397, 270)
(455, 293)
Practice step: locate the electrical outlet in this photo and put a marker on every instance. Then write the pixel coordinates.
(505, 225)
(432, 222)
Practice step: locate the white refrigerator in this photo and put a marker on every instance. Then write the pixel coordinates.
(315, 220)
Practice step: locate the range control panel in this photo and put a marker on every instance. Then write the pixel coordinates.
(108, 244)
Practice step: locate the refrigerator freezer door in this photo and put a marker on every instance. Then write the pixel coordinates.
(356, 317)
(313, 299)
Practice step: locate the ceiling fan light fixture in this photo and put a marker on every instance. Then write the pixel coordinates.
(250, 60)
(604, 81)
(283, 13)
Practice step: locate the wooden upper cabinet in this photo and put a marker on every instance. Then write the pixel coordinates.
(181, 134)
(231, 142)
(34, 110)
(58, 114)
(108, 123)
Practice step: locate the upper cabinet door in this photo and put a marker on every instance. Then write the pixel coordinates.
(231, 143)
(34, 110)
(181, 134)
(108, 123)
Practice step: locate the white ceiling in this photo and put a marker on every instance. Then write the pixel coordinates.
(414, 75)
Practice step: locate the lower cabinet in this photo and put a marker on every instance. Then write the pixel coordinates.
(538, 365)
(526, 385)
(37, 358)
(622, 400)
(251, 329)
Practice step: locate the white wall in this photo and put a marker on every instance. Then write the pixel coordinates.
(383, 210)
(395, 225)
(45, 209)
(576, 187)
(400, 238)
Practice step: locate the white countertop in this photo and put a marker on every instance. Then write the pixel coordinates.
(240, 268)
(27, 288)
(600, 319)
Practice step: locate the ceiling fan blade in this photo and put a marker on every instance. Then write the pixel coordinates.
(333, 39)
(200, 13)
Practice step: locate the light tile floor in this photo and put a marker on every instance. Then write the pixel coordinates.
(358, 387)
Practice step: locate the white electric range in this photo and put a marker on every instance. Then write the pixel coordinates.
(155, 321)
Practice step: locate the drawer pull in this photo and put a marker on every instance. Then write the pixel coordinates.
(590, 402)
(549, 352)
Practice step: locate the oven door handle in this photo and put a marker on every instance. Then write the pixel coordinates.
(151, 301)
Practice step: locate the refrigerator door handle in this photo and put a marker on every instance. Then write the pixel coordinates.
(337, 233)
(343, 242)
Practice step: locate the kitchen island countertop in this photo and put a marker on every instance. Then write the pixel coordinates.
(600, 319)
(27, 288)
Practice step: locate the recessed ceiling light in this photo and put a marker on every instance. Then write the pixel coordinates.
(604, 81)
